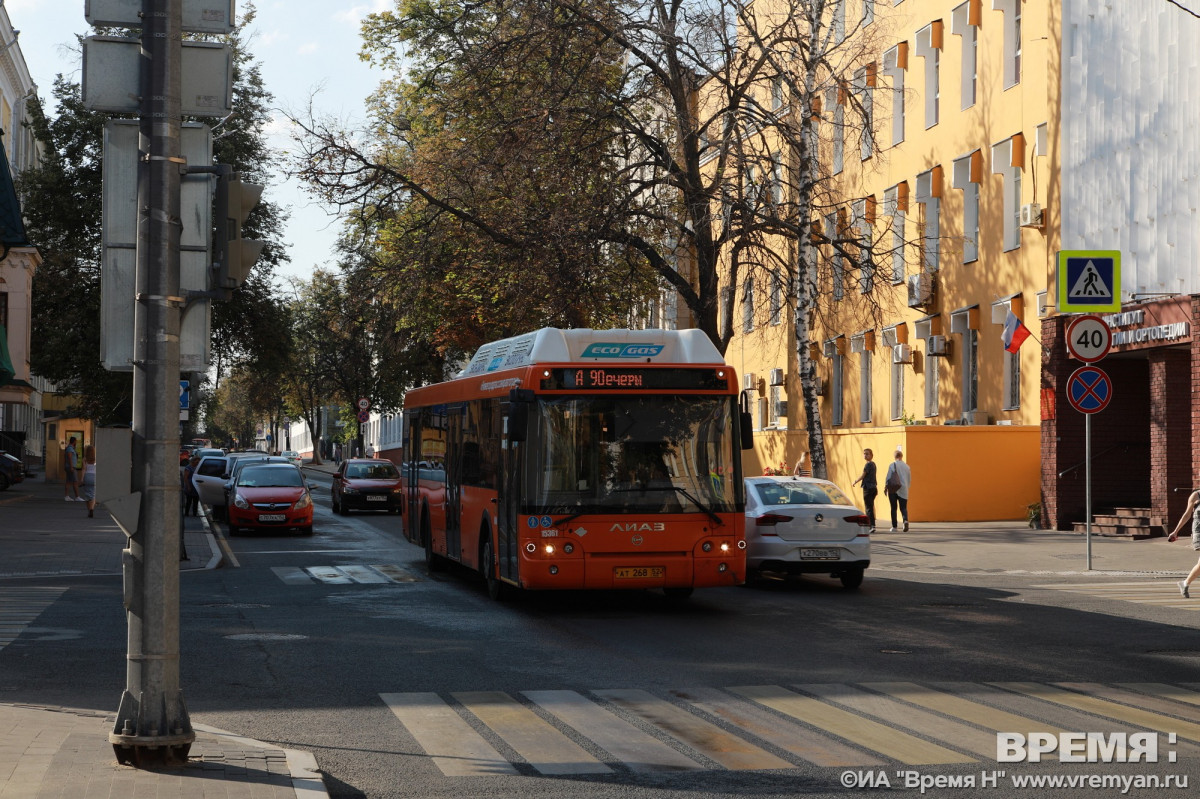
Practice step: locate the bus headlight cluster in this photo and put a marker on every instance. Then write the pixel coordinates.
(724, 546)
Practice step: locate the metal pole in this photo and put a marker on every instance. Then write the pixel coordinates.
(152, 725)
(1087, 471)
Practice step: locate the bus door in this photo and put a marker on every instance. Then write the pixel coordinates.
(511, 457)
(454, 476)
(412, 475)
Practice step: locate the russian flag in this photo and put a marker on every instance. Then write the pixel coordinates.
(1015, 332)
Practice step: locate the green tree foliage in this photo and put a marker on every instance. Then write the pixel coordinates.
(61, 202)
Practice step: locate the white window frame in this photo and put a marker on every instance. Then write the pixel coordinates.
(866, 267)
(748, 305)
(961, 25)
(837, 266)
(838, 134)
(1002, 164)
(898, 216)
(931, 51)
(897, 390)
(776, 396)
(966, 177)
(1011, 387)
(866, 99)
(924, 331)
(776, 297)
(858, 345)
(895, 64)
(777, 178)
(837, 388)
(960, 325)
(1012, 40)
(928, 195)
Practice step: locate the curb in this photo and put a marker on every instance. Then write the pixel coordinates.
(306, 776)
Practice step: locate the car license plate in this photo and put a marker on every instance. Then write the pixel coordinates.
(819, 554)
(272, 517)
(376, 498)
(640, 572)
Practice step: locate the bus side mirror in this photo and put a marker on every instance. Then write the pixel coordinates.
(518, 413)
(746, 420)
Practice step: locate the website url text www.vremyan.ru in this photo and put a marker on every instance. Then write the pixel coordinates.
(916, 780)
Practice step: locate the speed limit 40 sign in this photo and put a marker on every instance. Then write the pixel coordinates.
(1088, 338)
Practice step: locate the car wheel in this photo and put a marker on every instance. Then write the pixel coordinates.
(342, 509)
(4, 483)
(497, 590)
(306, 530)
(233, 529)
(852, 579)
(333, 504)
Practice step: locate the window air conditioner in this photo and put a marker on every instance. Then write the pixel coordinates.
(937, 346)
(749, 381)
(777, 377)
(901, 353)
(781, 409)
(976, 417)
(1031, 215)
(920, 290)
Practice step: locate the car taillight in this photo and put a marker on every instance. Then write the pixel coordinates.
(859, 519)
(771, 519)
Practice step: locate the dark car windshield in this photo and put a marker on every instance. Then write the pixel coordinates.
(269, 477)
(800, 493)
(371, 471)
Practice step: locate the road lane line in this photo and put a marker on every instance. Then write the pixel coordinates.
(810, 745)
(292, 575)
(543, 747)
(1143, 719)
(330, 575)
(634, 748)
(455, 748)
(869, 734)
(363, 574)
(707, 739)
(922, 722)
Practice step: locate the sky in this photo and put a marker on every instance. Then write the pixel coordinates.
(304, 48)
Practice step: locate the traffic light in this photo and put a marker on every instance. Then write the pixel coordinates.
(234, 255)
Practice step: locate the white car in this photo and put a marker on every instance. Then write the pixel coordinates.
(293, 457)
(802, 525)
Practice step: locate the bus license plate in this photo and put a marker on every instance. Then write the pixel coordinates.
(641, 573)
(819, 554)
(272, 517)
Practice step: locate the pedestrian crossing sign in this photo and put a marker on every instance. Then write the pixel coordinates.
(1089, 281)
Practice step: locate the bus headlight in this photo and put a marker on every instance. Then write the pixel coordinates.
(724, 546)
(549, 549)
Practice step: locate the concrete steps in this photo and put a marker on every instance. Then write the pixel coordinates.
(1134, 523)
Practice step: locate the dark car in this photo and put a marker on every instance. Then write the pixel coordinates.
(11, 471)
(367, 484)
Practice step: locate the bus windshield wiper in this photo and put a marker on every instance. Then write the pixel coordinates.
(689, 495)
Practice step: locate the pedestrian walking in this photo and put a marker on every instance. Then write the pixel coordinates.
(191, 497)
(71, 473)
(896, 484)
(88, 486)
(803, 466)
(1192, 512)
(870, 486)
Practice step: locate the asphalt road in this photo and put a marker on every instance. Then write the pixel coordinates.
(405, 684)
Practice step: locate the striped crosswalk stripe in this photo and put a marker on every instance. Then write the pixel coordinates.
(20, 606)
(1145, 592)
(348, 574)
(565, 732)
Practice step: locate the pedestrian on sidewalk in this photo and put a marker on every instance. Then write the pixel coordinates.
(896, 484)
(88, 486)
(803, 466)
(71, 472)
(1193, 512)
(191, 497)
(870, 486)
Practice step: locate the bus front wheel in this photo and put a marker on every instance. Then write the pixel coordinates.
(497, 590)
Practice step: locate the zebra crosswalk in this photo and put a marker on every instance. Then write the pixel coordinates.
(767, 727)
(20, 606)
(1147, 592)
(348, 574)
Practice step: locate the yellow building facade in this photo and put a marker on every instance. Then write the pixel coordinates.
(958, 192)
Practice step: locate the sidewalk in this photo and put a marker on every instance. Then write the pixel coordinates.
(59, 751)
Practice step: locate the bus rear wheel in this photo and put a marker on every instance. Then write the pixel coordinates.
(497, 590)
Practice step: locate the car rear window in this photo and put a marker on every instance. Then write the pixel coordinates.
(801, 494)
(211, 467)
(266, 476)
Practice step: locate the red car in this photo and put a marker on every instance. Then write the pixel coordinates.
(271, 496)
(367, 484)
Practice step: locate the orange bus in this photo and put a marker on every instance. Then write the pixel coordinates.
(587, 459)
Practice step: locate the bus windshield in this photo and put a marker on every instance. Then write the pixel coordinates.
(632, 454)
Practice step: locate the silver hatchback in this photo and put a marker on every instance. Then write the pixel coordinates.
(802, 525)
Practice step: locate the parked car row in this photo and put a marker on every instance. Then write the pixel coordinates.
(238, 489)
(11, 471)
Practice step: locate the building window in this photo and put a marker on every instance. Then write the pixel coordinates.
(837, 265)
(839, 21)
(929, 47)
(897, 389)
(777, 179)
(929, 194)
(932, 367)
(965, 323)
(863, 219)
(863, 80)
(778, 419)
(895, 201)
(776, 93)
(868, 12)
(838, 134)
(1012, 40)
(838, 388)
(864, 378)
(762, 418)
(1007, 158)
(965, 23)
(967, 171)
(1012, 360)
(748, 305)
(895, 63)
(776, 297)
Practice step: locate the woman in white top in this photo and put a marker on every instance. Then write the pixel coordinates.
(87, 488)
(899, 477)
